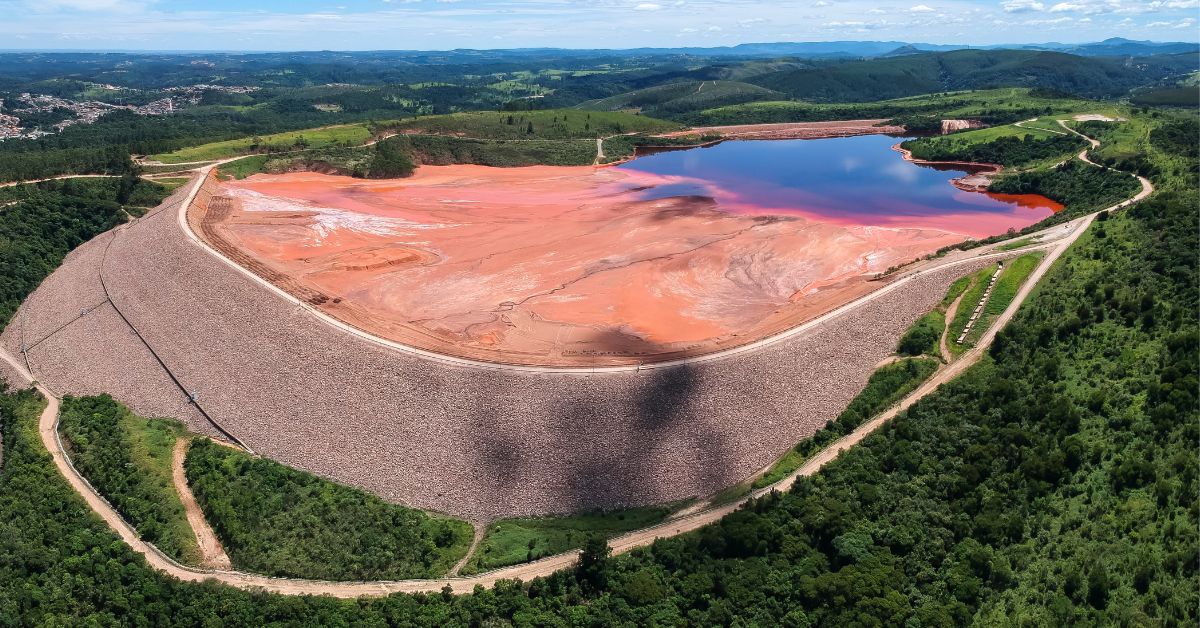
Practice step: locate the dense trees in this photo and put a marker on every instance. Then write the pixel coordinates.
(923, 336)
(391, 160)
(1079, 186)
(95, 431)
(1007, 150)
(277, 520)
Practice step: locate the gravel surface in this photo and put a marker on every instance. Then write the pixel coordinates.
(476, 443)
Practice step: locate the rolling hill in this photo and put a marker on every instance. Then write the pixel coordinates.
(684, 96)
(894, 77)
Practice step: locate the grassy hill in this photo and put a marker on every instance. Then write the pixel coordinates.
(994, 106)
(684, 96)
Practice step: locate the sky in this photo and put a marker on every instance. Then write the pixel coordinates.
(447, 24)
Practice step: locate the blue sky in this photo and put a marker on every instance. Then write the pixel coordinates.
(445, 24)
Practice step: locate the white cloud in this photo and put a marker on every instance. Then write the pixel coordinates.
(647, 6)
(922, 8)
(1021, 6)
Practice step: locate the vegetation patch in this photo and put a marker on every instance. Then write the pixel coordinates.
(971, 297)
(920, 113)
(1082, 188)
(280, 521)
(924, 336)
(128, 460)
(1015, 273)
(513, 541)
(341, 135)
(1019, 148)
(1016, 244)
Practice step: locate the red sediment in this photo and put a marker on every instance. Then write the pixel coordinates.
(550, 265)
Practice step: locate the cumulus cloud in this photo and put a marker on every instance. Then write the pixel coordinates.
(647, 6)
(87, 5)
(1021, 6)
(922, 8)
(1184, 23)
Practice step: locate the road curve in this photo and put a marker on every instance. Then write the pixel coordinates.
(48, 430)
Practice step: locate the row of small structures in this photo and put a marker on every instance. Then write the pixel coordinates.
(982, 301)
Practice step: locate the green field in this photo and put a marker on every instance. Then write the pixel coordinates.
(128, 460)
(1015, 244)
(280, 521)
(513, 541)
(171, 183)
(340, 135)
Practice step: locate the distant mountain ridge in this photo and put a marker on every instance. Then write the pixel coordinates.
(1115, 46)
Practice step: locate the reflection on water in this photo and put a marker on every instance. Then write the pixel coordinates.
(856, 180)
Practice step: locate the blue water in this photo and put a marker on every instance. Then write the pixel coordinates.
(854, 179)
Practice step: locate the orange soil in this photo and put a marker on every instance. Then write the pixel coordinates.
(548, 265)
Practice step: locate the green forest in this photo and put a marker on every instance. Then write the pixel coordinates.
(279, 521)
(1005, 151)
(130, 466)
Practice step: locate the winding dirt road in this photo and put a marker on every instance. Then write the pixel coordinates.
(951, 312)
(48, 430)
(60, 178)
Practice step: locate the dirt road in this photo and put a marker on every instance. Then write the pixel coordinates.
(211, 552)
(59, 178)
(951, 311)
